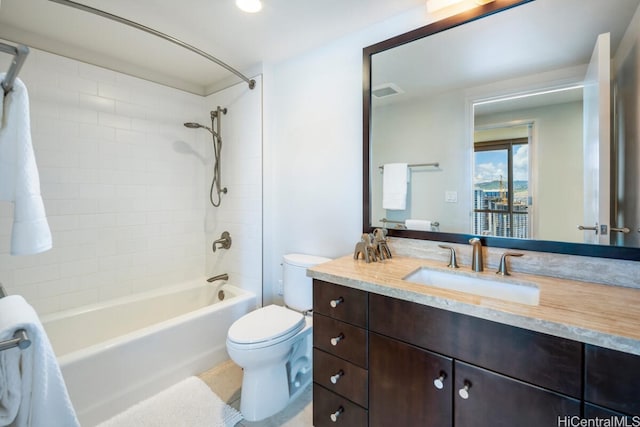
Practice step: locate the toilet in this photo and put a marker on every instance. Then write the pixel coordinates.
(273, 344)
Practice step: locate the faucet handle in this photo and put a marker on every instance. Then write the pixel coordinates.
(502, 268)
(453, 263)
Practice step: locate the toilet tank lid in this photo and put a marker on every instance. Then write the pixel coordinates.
(302, 260)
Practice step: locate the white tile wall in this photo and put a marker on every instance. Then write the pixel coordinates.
(125, 186)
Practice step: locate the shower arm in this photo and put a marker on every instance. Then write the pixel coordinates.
(250, 82)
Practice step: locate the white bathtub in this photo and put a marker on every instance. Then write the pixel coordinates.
(117, 353)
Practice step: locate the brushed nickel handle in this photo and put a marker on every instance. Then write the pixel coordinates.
(335, 378)
(439, 382)
(624, 230)
(583, 228)
(464, 391)
(336, 340)
(335, 415)
(334, 302)
(502, 267)
(453, 262)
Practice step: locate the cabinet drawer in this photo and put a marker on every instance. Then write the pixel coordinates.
(340, 339)
(346, 413)
(496, 400)
(612, 379)
(540, 359)
(340, 302)
(341, 377)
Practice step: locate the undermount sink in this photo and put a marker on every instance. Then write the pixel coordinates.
(520, 292)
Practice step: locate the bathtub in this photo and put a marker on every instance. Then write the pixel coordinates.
(117, 353)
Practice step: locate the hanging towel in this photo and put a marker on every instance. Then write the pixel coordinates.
(394, 186)
(418, 224)
(33, 391)
(19, 179)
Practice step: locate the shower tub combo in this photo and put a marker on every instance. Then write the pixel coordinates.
(115, 354)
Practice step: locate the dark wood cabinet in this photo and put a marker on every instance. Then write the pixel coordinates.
(400, 363)
(612, 379)
(489, 399)
(408, 385)
(340, 356)
(544, 360)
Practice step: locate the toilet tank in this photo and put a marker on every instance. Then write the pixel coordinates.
(297, 287)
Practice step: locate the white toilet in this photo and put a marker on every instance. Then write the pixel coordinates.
(273, 344)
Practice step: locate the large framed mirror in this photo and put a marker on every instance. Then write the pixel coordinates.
(515, 121)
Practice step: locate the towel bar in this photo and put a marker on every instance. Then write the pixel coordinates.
(385, 220)
(20, 337)
(20, 340)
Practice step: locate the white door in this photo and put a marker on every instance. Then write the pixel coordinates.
(597, 134)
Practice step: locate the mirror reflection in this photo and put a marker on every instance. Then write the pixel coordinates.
(503, 126)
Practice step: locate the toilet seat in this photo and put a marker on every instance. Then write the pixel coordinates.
(265, 327)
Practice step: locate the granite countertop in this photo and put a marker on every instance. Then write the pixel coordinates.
(607, 316)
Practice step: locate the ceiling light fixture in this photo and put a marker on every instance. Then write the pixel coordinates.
(249, 6)
(435, 5)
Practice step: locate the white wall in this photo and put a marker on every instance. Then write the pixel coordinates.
(425, 131)
(313, 148)
(125, 185)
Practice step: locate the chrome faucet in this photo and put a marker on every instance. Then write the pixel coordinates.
(223, 276)
(224, 241)
(476, 256)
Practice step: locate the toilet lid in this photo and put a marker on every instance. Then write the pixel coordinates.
(268, 323)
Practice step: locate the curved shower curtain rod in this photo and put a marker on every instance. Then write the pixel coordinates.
(250, 82)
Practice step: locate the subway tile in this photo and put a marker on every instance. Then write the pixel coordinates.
(36, 274)
(114, 120)
(114, 91)
(96, 103)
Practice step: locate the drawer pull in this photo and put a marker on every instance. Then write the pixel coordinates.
(335, 415)
(439, 382)
(334, 302)
(464, 391)
(336, 340)
(334, 378)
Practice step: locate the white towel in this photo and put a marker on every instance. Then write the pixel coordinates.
(418, 224)
(37, 395)
(189, 403)
(394, 186)
(19, 179)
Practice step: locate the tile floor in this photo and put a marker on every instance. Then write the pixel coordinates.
(226, 381)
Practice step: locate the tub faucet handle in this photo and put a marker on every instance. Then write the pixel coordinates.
(224, 241)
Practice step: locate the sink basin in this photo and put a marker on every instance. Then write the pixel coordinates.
(520, 292)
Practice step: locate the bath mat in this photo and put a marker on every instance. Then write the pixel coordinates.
(189, 403)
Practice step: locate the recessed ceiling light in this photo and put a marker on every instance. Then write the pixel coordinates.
(250, 6)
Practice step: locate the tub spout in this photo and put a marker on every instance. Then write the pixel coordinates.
(224, 276)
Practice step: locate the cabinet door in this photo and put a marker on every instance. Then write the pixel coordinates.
(612, 379)
(484, 398)
(401, 385)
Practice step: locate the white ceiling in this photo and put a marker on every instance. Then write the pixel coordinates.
(283, 28)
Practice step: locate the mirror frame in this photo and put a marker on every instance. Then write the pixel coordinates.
(582, 249)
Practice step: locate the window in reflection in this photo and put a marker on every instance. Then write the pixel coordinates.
(501, 188)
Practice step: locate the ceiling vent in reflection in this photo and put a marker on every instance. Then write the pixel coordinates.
(386, 89)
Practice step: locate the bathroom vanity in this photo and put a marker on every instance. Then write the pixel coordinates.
(392, 352)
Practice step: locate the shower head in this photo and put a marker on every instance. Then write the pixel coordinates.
(192, 125)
